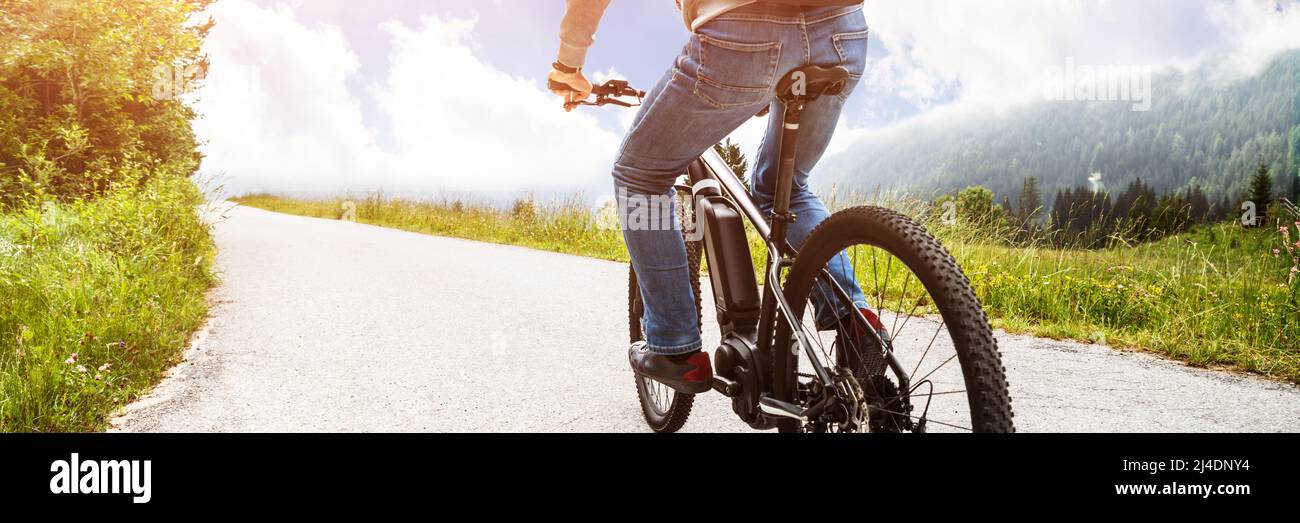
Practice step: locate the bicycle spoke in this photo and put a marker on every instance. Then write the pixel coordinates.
(821, 347)
(875, 278)
(915, 306)
(889, 264)
(653, 390)
(927, 350)
(901, 297)
(927, 375)
(944, 393)
(918, 418)
(855, 263)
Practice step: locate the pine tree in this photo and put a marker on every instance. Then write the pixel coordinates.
(1295, 153)
(1031, 202)
(1223, 209)
(1295, 186)
(730, 152)
(1198, 204)
(1261, 189)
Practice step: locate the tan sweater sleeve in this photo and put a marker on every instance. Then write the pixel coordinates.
(578, 29)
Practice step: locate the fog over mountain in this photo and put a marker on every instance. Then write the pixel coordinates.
(1208, 126)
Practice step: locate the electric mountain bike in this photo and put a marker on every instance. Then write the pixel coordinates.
(778, 368)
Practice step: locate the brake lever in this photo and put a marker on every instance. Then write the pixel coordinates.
(601, 101)
(607, 94)
(569, 106)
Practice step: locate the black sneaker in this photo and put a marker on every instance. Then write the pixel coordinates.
(862, 352)
(687, 374)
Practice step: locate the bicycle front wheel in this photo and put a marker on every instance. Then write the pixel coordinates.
(939, 368)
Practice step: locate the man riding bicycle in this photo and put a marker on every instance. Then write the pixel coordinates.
(727, 73)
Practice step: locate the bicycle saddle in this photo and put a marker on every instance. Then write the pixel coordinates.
(814, 81)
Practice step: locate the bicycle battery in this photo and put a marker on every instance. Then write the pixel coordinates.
(731, 270)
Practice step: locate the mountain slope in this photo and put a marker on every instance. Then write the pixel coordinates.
(1199, 131)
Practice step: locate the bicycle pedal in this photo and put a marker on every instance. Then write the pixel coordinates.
(775, 407)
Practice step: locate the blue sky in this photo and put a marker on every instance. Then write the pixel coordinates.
(638, 38)
(405, 95)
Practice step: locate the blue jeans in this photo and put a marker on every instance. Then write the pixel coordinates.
(726, 74)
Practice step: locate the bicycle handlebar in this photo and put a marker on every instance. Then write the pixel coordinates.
(606, 94)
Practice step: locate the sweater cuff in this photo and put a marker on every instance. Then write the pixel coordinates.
(572, 55)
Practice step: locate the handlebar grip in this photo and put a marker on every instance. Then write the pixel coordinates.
(557, 86)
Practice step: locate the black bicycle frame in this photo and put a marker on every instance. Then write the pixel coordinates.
(780, 254)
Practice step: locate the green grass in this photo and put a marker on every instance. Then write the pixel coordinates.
(96, 300)
(1214, 297)
(565, 227)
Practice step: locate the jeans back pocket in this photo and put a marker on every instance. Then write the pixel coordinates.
(733, 74)
(852, 50)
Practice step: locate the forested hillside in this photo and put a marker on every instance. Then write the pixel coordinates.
(1200, 131)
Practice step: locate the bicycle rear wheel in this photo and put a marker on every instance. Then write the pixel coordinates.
(946, 371)
(665, 409)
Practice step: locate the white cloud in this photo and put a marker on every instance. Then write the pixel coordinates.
(1259, 29)
(275, 109)
(278, 114)
(996, 53)
(481, 129)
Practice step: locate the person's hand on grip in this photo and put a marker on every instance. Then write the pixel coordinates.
(570, 85)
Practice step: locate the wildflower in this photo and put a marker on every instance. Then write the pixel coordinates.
(71, 359)
(105, 367)
(81, 369)
(1277, 252)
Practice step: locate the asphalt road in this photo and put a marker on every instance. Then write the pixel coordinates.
(334, 326)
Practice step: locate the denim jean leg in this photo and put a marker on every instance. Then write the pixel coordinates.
(658, 254)
(675, 126)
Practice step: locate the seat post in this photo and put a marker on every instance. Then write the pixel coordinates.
(795, 91)
(781, 216)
